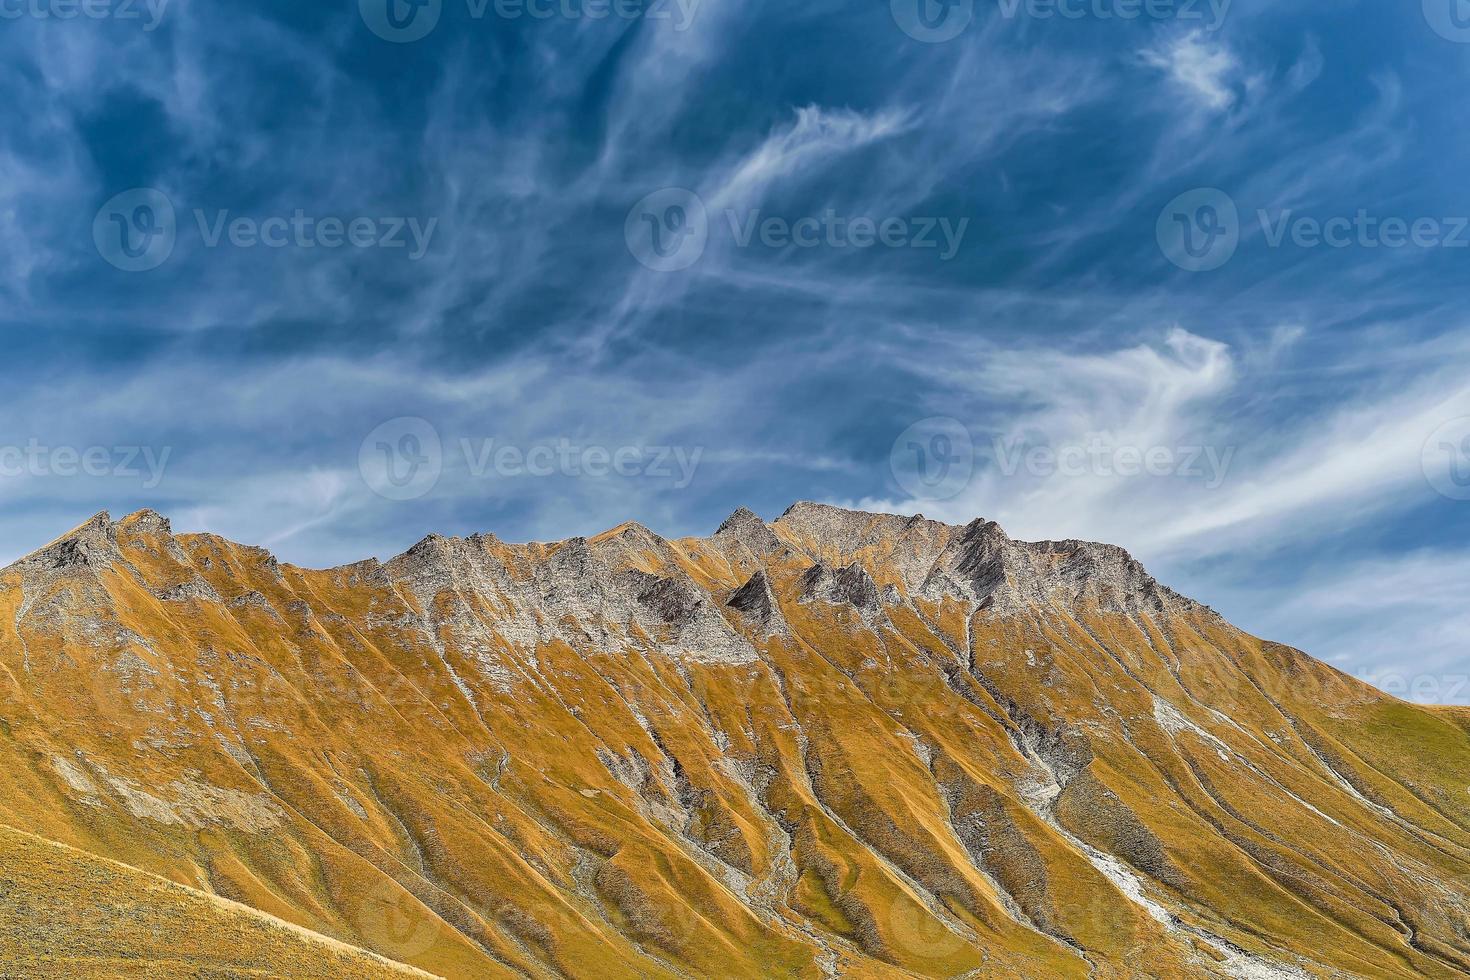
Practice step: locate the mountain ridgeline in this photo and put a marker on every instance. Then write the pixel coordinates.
(837, 744)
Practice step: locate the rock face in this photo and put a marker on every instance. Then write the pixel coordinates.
(850, 586)
(836, 744)
(758, 604)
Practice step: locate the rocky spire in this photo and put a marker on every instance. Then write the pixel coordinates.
(745, 527)
(90, 545)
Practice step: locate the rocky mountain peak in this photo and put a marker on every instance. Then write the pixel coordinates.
(432, 552)
(827, 519)
(836, 533)
(630, 532)
(746, 528)
(92, 544)
(1105, 575)
(147, 521)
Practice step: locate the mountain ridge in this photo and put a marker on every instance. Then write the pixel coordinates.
(97, 536)
(834, 744)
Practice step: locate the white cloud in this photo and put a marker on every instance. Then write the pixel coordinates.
(816, 136)
(1255, 486)
(1205, 69)
(1308, 67)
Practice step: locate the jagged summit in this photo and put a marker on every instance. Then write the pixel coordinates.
(747, 530)
(809, 513)
(147, 521)
(96, 528)
(91, 543)
(742, 519)
(629, 531)
(910, 555)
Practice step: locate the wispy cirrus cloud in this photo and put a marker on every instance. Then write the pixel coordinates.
(1317, 472)
(1201, 67)
(816, 136)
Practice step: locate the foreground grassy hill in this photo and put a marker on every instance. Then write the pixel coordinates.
(838, 744)
(68, 914)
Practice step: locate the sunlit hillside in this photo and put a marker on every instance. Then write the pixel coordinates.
(838, 744)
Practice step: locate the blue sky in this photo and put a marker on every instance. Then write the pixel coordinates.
(559, 270)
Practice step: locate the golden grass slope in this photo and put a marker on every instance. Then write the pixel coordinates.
(68, 914)
(839, 744)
